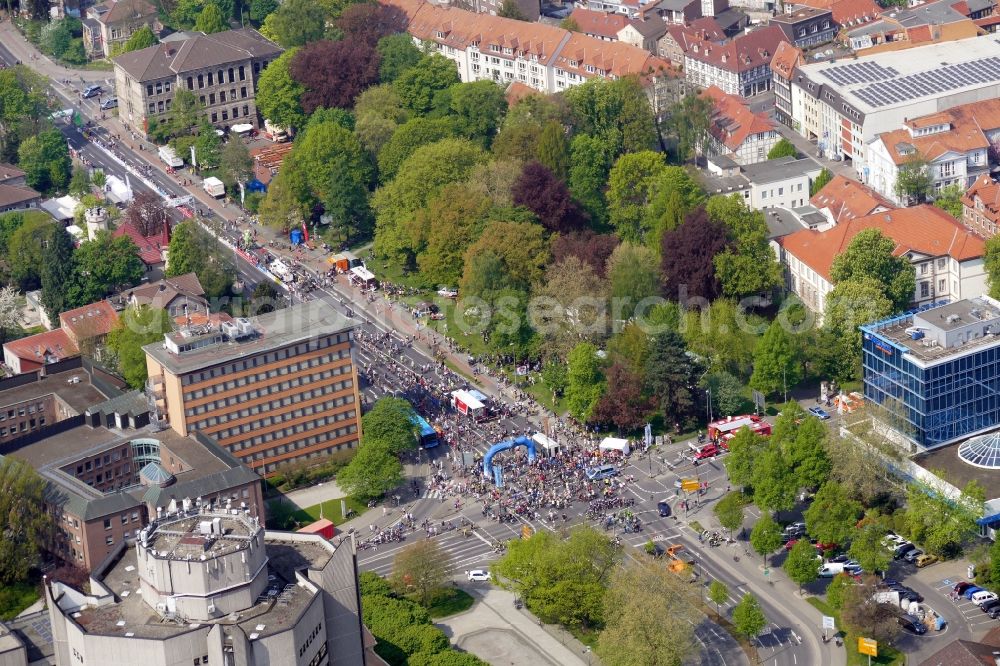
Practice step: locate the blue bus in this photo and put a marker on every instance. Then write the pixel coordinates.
(428, 437)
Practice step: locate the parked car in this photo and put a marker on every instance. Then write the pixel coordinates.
(663, 508)
(901, 551)
(92, 91)
(893, 541)
(991, 608)
(912, 555)
(109, 104)
(842, 558)
(707, 451)
(925, 560)
(819, 413)
(969, 591)
(911, 624)
(981, 597)
(479, 575)
(960, 588)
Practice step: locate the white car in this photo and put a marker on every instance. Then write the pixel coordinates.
(479, 575)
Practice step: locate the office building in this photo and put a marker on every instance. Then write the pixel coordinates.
(270, 389)
(201, 586)
(844, 104)
(220, 69)
(936, 371)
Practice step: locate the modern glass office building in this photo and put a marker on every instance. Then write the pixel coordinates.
(936, 370)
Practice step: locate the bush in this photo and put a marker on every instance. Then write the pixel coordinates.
(252, 201)
(294, 475)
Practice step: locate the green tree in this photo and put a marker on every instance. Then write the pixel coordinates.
(518, 253)
(142, 38)
(590, 162)
(824, 177)
(553, 149)
(25, 522)
(479, 107)
(398, 53)
(807, 454)
(295, 22)
(569, 23)
(802, 565)
(765, 537)
(849, 305)
(726, 393)
(510, 9)
(949, 199)
(747, 266)
(729, 510)
(289, 200)
(836, 591)
(870, 255)
(994, 562)
(646, 615)
(185, 114)
(210, 19)
(689, 121)
(913, 180)
(372, 472)
(418, 84)
(44, 158)
(422, 568)
(235, 163)
(774, 481)
(633, 277)
(784, 148)
(867, 548)
(991, 262)
(584, 380)
(186, 12)
(102, 266)
(25, 250)
(389, 423)
(672, 379)
(616, 111)
(261, 9)
(79, 182)
(748, 618)
(137, 326)
(943, 525)
(455, 218)
(56, 272)
(409, 136)
(744, 450)
(279, 95)
(630, 188)
(193, 250)
(555, 377)
(833, 515)
(674, 194)
(718, 594)
(776, 362)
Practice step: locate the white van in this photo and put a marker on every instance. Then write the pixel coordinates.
(602, 472)
(981, 597)
(831, 569)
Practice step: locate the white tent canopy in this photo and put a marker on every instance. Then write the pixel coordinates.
(614, 444)
(549, 445)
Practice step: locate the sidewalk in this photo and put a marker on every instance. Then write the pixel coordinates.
(26, 52)
(304, 498)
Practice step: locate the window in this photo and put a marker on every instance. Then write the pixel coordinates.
(201, 81)
(923, 268)
(110, 541)
(942, 285)
(925, 289)
(149, 89)
(246, 110)
(236, 112)
(107, 523)
(211, 98)
(243, 92)
(190, 83)
(243, 75)
(222, 96)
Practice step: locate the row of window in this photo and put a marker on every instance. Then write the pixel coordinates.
(219, 78)
(281, 418)
(20, 411)
(262, 391)
(30, 424)
(271, 436)
(292, 368)
(160, 88)
(309, 639)
(284, 432)
(265, 359)
(301, 444)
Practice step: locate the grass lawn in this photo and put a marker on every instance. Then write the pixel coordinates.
(285, 516)
(15, 598)
(887, 655)
(696, 526)
(450, 602)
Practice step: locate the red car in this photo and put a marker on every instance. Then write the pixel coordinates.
(822, 547)
(707, 451)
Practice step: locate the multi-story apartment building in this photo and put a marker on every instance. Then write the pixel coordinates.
(947, 257)
(679, 39)
(807, 26)
(981, 207)
(737, 131)
(274, 388)
(108, 25)
(956, 144)
(543, 57)
(843, 105)
(208, 586)
(741, 66)
(786, 59)
(220, 69)
(531, 10)
(934, 371)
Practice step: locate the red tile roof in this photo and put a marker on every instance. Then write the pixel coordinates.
(150, 247)
(742, 53)
(847, 12)
(89, 321)
(517, 91)
(599, 23)
(968, 123)
(34, 349)
(988, 192)
(848, 199)
(924, 229)
(786, 59)
(733, 121)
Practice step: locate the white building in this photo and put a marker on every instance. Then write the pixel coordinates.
(741, 66)
(955, 143)
(947, 258)
(844, 104)
(781, 183)
(737, 131)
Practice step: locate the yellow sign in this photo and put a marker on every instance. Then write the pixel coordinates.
(526, 532)
(690, 485)
(868, 646)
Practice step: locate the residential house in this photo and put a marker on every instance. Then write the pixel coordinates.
(109, 24)
(786, 59)
(678, 39)
(842, 200)
(629, 8)
(530, 9)
(643, 34)
(544, 57)
(981, 207)
(807, 26)
(947, 257)
(736, 131)
(37, 351)
(957, 145)
(738, 67)
(89, 325)
(222, 69)
(781, 183)
(11, 175)
(927, 23)
(180, 295)
(18, 197)
(674, 12)
(845, 13)
(599, 25)
(152, 248)
(961, 652)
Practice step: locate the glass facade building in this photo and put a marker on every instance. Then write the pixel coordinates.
(936, 371)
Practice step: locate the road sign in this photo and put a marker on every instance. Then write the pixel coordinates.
(829, 622)
(526, 531)
(868, 646)
(690, 485)
(758, 399)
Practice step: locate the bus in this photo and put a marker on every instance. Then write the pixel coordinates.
(428, 436)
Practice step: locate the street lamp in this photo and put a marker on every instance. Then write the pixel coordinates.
(708, 392)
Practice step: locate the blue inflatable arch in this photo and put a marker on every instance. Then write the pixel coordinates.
(506, 446)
